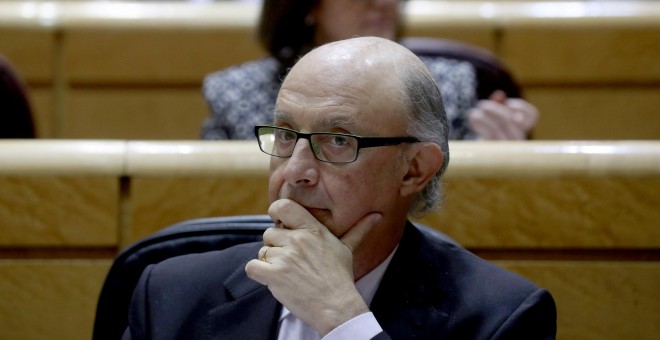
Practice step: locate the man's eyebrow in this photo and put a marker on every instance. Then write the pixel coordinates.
(281, 116)
(339, 121)
(326, 124)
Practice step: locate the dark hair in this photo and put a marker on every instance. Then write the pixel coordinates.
(285, 33)
(282, 29)
(16, 114)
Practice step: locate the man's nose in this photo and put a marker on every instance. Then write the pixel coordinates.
(302, 167)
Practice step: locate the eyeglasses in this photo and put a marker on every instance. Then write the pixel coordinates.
(327, 147)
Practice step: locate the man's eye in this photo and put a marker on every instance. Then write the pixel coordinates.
(286, 135)
(339, 140)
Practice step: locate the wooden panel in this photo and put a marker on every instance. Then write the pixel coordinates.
(49, 299)
(566, 113)
(480, 36)
(599, 300)
(159, 202)
(596, 113)
(42, 104)
(141, 55)
(599, 53)
(513, 195)
(480, 213)
(30, 50)
(137, 113)
(552, 213)
(61, 211)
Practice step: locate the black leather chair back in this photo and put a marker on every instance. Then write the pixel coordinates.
(194, 236)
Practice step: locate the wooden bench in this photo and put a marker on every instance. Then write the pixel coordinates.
(134, 70)
(579, 218)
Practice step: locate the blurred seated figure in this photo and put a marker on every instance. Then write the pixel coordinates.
(244, 95)
(492, 75)
(14, 105)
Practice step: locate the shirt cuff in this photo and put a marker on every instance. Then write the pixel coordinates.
(363, 326)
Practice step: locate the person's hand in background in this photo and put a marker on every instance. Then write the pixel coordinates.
(502, 118)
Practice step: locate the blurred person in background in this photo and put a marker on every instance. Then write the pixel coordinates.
(243, 96)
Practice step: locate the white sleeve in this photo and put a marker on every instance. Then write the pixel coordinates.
(363, 326)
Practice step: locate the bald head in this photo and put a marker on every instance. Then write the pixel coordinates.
(366, 86)
(368, 50)
(369, 65)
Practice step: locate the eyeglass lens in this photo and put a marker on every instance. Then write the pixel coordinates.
(326, 146)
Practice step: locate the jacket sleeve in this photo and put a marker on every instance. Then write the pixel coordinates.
(381, 336)
(535, 318)
(138, 325)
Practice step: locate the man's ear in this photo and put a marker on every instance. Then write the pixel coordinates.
(426, 160)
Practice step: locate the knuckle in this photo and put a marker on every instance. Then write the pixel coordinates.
(249, 269)
(298, 239)
(268, 233)
(314, 230)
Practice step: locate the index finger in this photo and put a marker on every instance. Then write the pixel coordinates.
(292, 215)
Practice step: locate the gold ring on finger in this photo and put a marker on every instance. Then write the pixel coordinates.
(263, 258)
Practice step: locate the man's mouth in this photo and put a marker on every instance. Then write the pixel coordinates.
(315, 210)
(318, 213)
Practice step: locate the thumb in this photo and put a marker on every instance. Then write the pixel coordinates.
(354, 236)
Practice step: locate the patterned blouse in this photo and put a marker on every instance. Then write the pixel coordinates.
(243, 96)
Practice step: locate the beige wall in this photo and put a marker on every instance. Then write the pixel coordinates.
(580, 219)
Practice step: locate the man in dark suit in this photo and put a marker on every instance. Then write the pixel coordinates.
(343, 261)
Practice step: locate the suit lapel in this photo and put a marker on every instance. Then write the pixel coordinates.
(251, 312)
(409, 301)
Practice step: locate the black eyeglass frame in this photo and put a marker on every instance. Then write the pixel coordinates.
(362, 142)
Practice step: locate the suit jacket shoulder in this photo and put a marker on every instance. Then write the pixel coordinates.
(203, 296)
(435, 288)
